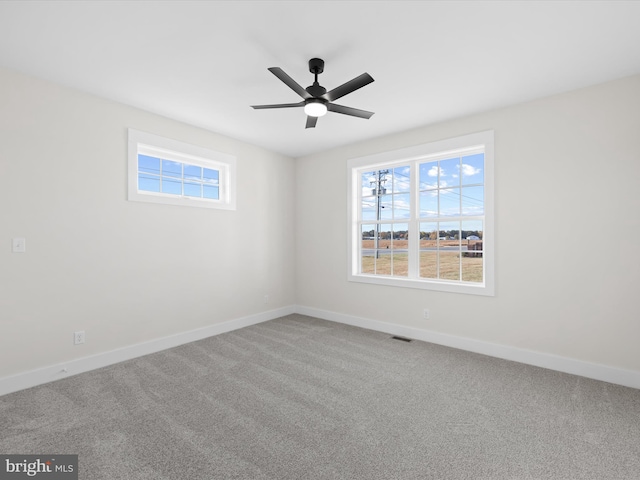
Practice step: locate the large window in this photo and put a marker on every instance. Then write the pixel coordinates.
(423, 217)
(167, 171)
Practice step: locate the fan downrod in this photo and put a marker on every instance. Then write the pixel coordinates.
(316, 66)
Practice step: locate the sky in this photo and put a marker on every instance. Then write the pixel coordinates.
(176, 178)
(449, 187)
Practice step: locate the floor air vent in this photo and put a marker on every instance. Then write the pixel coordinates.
(402, 339)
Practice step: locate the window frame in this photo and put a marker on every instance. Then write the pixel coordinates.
(168, 149)
(415, 155)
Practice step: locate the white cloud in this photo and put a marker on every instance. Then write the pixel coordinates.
(473, 210)
(433, 171)
(469, 170)
(402, 184)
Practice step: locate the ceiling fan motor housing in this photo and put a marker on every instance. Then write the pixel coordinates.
(316, 90)
(316, 65)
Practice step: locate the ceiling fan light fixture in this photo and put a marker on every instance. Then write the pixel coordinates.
(315, 98)
(315, 108)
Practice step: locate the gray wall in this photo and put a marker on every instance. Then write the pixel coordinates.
(567, 227)
(567, 176)
(125, 272)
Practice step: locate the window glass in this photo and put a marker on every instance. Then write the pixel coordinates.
(472, 169)
(449, 173)
(148, 183)
(192, 172)
(147, 164)
(432, 231)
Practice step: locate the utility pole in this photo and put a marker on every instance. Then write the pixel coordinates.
(379, 190)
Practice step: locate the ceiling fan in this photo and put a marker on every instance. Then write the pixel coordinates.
(316, 100)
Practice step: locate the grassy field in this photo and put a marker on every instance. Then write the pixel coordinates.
(397, 264)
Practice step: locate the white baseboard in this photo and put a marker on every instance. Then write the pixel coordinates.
(627, 378)
(619, 376)
(43, 375)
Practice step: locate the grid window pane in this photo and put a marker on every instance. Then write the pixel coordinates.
(429, 264)
(384, 236)
(428, 235)
(401, 179)
(386, 207)
(171, 169)
(473, 201)
(368, 263)
(400, 264)
(193, 189)
(401, 206)
(472, 254)
(428, 174)
(148, 183)
(211, 176)
(449, 235)
(473, 169)
(449, 265)
(368, 236)
(210, 192)
(148, 164)
(401, 236)
(472, 231)
(450, 202)
(429, 203)
(369, 208)
(192, 172)
(383, 262)
(472, 267)
(172, 186)
(449, 173)
(366, 181)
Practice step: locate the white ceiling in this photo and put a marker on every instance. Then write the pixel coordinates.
(205, 62)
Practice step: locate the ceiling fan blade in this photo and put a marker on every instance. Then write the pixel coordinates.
(279, 105)
(354, 112)
(350, 86)
(290, 82)
(311, 121)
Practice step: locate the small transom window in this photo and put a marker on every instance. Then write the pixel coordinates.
(171, 172)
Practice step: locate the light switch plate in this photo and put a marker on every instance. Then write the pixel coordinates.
(19, 245)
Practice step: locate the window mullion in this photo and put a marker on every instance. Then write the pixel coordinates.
(182, 179)
(414, 222)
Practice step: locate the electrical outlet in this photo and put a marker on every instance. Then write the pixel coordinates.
(425, 314)
(78, 337)
(266, 299)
